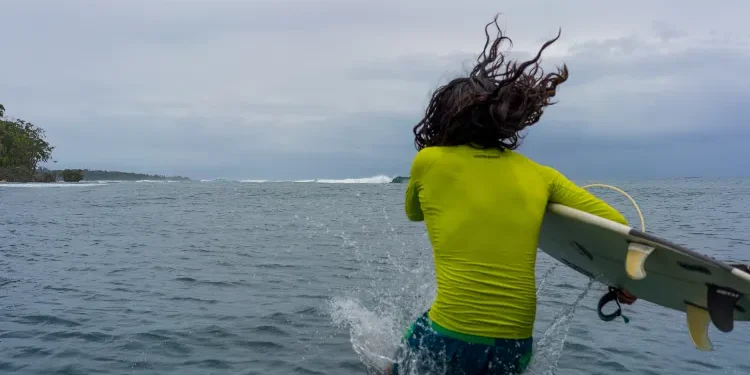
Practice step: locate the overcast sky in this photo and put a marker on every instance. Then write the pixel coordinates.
(282, 89)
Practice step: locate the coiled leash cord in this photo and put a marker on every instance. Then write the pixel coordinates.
(607, 298)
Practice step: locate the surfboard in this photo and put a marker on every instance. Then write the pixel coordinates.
(651, 268)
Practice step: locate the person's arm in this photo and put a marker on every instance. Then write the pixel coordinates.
(565, 192)
(412, 205)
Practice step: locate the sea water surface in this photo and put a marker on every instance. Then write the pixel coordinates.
(222, 277)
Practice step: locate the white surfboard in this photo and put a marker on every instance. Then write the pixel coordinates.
(651, 268)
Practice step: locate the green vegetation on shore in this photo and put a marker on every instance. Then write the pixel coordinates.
(97, 175)
(23, 147)
(72, 175)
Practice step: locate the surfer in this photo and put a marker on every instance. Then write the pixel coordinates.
(483, 204)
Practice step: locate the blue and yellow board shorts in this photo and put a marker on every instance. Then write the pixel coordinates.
(428, 348)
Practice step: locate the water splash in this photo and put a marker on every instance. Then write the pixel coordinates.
(377, 315)
(373, 336)
(549, 347)
(375, 333)
(543, 280)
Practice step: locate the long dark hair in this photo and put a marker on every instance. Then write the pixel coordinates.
(493, 104)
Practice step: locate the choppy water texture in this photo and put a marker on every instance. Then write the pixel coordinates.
(303, 278)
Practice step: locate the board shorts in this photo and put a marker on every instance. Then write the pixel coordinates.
(428, 348)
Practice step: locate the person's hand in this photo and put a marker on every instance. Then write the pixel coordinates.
(623, 296)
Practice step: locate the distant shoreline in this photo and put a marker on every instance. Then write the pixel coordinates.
(105, 175)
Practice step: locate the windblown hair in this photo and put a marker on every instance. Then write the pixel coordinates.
(493, 104)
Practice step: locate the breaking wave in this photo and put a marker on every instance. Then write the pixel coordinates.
(156, 181)
(379, 179)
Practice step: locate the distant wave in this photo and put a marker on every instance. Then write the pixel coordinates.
(380, 179)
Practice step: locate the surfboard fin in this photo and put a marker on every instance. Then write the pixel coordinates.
(698, 320)
(721, 303)
(635, 260)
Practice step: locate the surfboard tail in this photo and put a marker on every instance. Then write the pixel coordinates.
(721, 303)
(698, 320)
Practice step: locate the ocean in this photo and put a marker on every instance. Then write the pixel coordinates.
(225, 277)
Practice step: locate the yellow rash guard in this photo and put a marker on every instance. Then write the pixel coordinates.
(483, 211)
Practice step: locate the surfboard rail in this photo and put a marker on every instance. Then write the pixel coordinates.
(721, 301)
(639, 236)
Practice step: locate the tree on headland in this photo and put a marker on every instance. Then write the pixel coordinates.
(72, 175)
(94, 175)
(22, 148)
(400, 180)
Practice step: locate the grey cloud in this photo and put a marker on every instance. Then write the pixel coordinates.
(667, 32)
(425, 68)
(184, 21)
(614, 85)
(416, 68)
(332, 88)
(630, 56)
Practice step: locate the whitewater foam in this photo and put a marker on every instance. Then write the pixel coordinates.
(218, 180)
(156, 181)
(380, 179)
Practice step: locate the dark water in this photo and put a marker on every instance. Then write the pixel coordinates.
(301, 278)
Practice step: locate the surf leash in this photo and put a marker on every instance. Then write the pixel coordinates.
(607, 298)
(612, 294)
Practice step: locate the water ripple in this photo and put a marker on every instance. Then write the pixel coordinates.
(232, 278)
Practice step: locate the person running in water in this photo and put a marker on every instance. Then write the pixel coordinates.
(483, 203)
